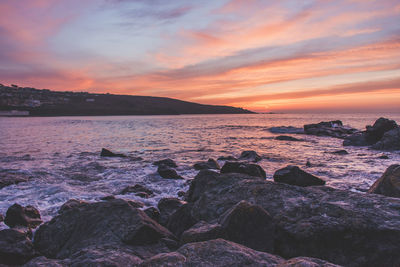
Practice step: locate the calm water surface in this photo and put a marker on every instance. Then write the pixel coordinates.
(61, 154)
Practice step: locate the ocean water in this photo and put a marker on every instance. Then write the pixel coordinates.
(61, 155)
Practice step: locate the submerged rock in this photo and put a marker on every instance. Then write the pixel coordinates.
(245, 168)
(166, 162)
(7, 178)
(114, 223)
(286, 130)
(15, 247)
(22, 216)
(137, 189)
(168, 173)
(250, 155)
(287, 138)
(340, 152)
(293, 175)
(108, 153)
(329, 128)
(389, 183)
(210, 164)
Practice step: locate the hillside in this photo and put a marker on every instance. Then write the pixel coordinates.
(53, 103)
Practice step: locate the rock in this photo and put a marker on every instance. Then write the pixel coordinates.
(74, 203)
(249, 225)
(306, 262)
(389, 183)
(153, 213)
(167, 206)
(340, 152)
(286, 130)
(15, 247)
(216, 253)
(308, 163)
(22, 216)
(137, 188)
(108, 153)
(113, 223)
(389, 141)
(210, 164)
(44, 262)
(286, 138)
(7, 178)
(106, 198)
(356, 139)
(375, 132)
(245, 168)
(181, 220)
(181, 193)
(168, 173)
(293, 175)
(329, 128)
(166, 162)
(201, 231)
(383, 157)
(1, 218)
(229, 158)
(250, 155)
(338, 226)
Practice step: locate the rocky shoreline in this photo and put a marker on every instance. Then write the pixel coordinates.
(230, 216)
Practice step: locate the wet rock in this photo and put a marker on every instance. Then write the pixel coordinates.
(108, 153)
(168, 173)
(338, 226)
(181, 220)
(286, 130)
(166, 162)
(210, 164)
(153, 213)
(389, 183)
(137, 188)
(216, 252)
(15, 247)
(22, 216)
(287, 138)
(245, 168)
(249, 225)
(74, 203)
(44, 262)
(375, 132)
(250, 155)
(329, 128)
(202, 231)
(306, 262)
(383, 157)
(7, 178)
(356, 139)
(293, 175)
(114, 223)
(167, 206)
(181, 193)
(389, 141)
(308, 163)
(227, 158)
(340, 152)
(106, 198)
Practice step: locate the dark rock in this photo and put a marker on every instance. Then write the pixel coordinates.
(245, 168)
(375, 132)
(166, 162)
(339, 226)
(249, 225)
(286, 130)
(340, 152)
(286, 138)
(73, 203)
(225, 158)
(210, 164)
(383, 157)
(329, 128)
(308, 163)
(114, 223)
(153, 213)
(306, 262)
(250, 155)
(108, 153)
(44, 262)
(293, 175)
(181, 220)
(137, 188)
(216, 253)
(356, 139)
(389, 183)
(15, 247)
(181, 193)
(7, 179)
(106, 198)
(1, 218)
(201, 231)
(22, 216)
(389, 141)
(167, 206)
(168, 173)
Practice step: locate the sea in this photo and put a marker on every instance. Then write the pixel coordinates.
(60, 156)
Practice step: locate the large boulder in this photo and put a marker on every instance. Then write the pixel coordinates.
(18, 215)
(167, 206)
(107, 153)
(115, 223)
(389, 141)
(210, 164)
(167, 172)
(250, 155)
(245, 168)
(181, 219)
(329, 128)
(202, 231)
(293, 175)
(15, 247)
(375, 132)
(339, 226)
(389, 183)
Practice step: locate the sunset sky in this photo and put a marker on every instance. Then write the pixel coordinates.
(261, 55)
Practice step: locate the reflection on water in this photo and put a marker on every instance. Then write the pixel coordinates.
(61, 155)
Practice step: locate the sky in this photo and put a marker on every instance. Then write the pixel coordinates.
(263, 55)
